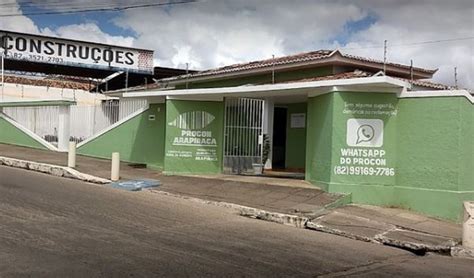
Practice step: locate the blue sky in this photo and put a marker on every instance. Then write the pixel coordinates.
(53, 21)
(354, 26)
(213, 33)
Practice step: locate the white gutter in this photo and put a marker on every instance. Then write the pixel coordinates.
(278, 88)
(440, 93)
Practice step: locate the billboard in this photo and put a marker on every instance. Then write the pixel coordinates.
(50, 50)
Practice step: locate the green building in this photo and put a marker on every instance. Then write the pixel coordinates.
(380, 132)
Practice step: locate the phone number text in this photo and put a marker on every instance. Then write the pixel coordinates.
(364, 171)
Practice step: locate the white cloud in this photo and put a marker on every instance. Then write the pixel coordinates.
(405, 22)
(16, 23)
(214, 33)
(217, 33)
(88, 32)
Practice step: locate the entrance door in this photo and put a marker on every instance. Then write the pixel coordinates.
(242, 134)
(279, 138)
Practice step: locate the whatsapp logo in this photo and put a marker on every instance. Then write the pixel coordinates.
(365, 133)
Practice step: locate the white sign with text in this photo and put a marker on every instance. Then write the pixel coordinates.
(364, 133)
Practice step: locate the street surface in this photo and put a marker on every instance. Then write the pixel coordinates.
(55, 227)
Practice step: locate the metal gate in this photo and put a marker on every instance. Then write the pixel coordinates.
(242, 134)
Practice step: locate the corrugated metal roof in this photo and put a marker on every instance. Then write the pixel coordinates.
(49, 82)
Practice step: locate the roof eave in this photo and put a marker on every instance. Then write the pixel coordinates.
(378, 83)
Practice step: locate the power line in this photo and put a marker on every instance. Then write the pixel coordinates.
(409, 44)
(104, 9)
(61, 5)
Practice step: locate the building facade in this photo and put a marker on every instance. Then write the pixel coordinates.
(378, 132)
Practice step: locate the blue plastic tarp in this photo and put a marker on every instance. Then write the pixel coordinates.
(135, 185)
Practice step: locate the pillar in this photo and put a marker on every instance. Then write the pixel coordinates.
(64, 128)
(268, 113)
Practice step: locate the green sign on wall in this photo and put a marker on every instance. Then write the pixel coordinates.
(193, 136)
(364, 138)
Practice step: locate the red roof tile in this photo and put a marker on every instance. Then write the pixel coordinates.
(343, 75)
(360, 74)
(286, 60)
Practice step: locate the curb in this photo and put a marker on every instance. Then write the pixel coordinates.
(280, 218)
(449, 248)
(461, 252)
(414, 246)
(321, 228)
(54, 170)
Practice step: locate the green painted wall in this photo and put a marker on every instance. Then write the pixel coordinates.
(295, 138)
(435, 152)
(466, 163)
(9, 134)
(194, 137)
(319, 140)
(261, 78)
(428, 156)
(438, 151)
(138, 140)
(364, 106)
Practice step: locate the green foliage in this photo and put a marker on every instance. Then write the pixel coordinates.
(266, 148)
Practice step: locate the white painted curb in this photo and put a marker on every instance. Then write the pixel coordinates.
(55, 170)
(461, 252)
(468, 226)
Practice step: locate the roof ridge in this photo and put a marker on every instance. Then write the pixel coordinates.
(357, 57)
(284, 60)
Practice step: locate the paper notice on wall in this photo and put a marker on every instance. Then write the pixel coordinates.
(298, 120)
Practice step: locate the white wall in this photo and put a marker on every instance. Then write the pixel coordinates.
(13, 92)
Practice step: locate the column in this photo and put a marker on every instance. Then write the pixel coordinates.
(64, 128)
(268, 111)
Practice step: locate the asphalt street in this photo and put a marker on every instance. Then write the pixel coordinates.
(55, 227)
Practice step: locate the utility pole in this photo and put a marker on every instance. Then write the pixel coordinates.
(411, 70)
(187, 73)
(126, 82)
(3, 70)
(384, 57)
(456, 77)
(273, 69)
(3, 67)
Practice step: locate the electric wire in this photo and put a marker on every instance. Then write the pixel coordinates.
(96, 8)
(409, 44)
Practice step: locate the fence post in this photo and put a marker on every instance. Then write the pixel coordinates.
(64, 127)
(468, 226)
(115, 173)
(71, 158)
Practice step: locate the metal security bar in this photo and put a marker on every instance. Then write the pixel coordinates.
(88, 120)
(41, 120)
(243, 132)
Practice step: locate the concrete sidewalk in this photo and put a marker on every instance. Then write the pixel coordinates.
(280, 195)
(305, 204)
